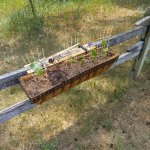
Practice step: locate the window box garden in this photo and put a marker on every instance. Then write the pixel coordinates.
(47, 82)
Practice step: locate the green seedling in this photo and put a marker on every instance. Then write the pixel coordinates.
(37, 68)
(82, 60)
(104, 44)
(73, 60)
(94, 54)
(105, 48)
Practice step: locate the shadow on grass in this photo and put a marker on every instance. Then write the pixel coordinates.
(96, 129)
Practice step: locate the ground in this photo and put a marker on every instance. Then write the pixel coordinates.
(107, 112)
(124, 123)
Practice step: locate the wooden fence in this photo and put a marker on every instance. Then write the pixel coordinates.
(138, 52)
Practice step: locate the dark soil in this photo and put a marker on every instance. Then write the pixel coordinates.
(60, 72)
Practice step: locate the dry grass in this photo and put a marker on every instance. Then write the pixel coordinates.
(105, 113)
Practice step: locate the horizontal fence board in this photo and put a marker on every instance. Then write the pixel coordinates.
(11, 79)
(120, 38)
(135, 47)
(143, 22)
(15, 110)
(25, 105)
(134, 51)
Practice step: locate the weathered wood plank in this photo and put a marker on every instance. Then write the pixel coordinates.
(15, 110)
(133, 52)
(120, 38)
(25, 105)
(139, 62)
(136, 46)
(143, 22)
(11, 79)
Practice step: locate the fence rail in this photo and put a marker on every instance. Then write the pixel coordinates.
(134, 51)
(11, 79)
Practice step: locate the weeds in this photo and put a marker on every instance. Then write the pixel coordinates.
(119, 145)
(47, 145)
(147, 60)
(108, 125)
(31, 17)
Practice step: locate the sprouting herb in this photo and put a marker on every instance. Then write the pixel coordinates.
(104, 43)
(73, 59)
(37, 68)
(105, 48)
(94, 54)
(82, 60)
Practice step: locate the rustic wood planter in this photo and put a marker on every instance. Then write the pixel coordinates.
(57, 89)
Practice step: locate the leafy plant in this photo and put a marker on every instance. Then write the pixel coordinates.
(82, 60)
(104, 43)
(37, 68)
(94, 54)
(105, 48)
(73, 60)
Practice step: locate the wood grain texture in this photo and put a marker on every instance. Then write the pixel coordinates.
(120, 38)
(25, 105)
(139, 62)
(15, 110)
(138, 46)
(143, 22)
(11, 78)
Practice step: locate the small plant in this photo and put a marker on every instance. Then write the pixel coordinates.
(104, 43)
(73, 60)
(119, 145)
(108, 125)
(37, 68)
(105, 48)
(82, 60)
(94, 54)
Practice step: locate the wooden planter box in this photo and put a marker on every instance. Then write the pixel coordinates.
(70, 82)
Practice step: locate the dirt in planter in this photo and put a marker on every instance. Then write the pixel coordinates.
(61, 72)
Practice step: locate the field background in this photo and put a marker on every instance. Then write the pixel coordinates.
(107, 112)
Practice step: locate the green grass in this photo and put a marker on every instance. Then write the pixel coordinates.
(22, 20)
(89, 104)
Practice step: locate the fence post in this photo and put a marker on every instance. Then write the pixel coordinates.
(139, 61)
